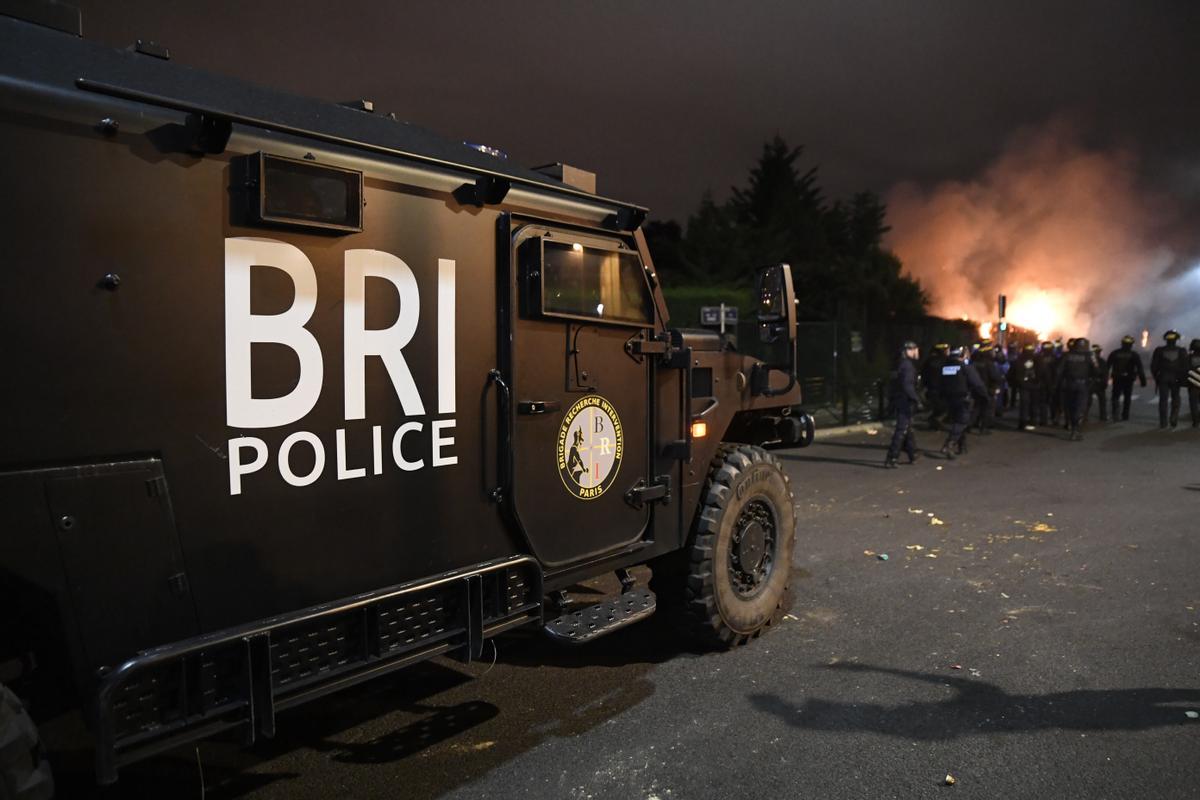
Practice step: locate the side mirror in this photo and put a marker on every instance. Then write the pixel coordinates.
(776, 328)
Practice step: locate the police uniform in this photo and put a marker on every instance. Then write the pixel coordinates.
(905, 403)
(1026, 389)
(1098, 386)
(1124, 365)
(1076, 371)
(1044, 365)
(984, 363)
(1168, 365)
(1193, 378)
(960, 382)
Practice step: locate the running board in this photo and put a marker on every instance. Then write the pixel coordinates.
(586, 624)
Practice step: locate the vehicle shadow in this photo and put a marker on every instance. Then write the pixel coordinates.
(981, 707)
(441, 724)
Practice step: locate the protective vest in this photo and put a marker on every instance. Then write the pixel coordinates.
(1122, 364)
(1076, 366)
(1171, 362)
(954, 380)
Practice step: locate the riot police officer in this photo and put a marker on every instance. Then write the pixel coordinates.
(1076, 371)
(1168, 365)
(984, 362)
(1124, 364)
(1099, 385)
(960, 383)
(1044, 365)
(931, 381)
(905, 402)
(1023, 378)
(1056, 396)
(1193, 378)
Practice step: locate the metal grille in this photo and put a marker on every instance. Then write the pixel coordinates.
(149, 700)
(518, 589)
(222, 677)
(407, 623)
(311, 649)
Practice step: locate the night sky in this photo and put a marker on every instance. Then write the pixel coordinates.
(1049, 150)
(666, 99)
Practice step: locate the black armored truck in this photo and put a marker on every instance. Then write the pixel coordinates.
(297, 394)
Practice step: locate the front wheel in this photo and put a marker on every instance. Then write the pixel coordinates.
(735, 571)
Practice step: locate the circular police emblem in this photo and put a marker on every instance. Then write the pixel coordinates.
(590, 445)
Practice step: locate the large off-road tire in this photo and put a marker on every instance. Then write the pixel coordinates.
(24, 771)
(733, 579)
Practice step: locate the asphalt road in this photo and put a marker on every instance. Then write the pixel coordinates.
(1034, 632)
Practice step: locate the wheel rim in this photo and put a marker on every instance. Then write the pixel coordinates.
(752, 548)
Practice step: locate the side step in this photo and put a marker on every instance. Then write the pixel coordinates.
(596, 620)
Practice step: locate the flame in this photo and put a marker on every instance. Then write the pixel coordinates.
(1042, 310)
(985, 330)
(1145, 339)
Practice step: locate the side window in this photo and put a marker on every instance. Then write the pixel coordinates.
(587, 280)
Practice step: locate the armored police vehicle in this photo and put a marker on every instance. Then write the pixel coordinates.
(296, 394)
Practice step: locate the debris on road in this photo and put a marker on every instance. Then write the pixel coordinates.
(936, 521)
(939, 467)
(883, 556)
(956, 666)
(915, 511)
(950, 780)
(869, 553)
(931, 555)
(913, 547)
(872, 432)
(1192, 714)
(1041, 527)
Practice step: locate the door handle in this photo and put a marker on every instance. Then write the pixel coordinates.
(530, 407)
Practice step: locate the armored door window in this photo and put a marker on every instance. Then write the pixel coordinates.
(598, 282)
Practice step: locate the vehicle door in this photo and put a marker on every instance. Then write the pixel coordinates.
(581, 428)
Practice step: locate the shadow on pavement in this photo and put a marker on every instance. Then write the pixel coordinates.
(981, 707)
(1151, 437)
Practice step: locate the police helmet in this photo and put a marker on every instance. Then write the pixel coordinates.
(1096, 347)
(1047, 346)
(1126, 341)
(1080, 344)
(1029, 348)
(1171, 336)
(957, 351)
(941, 346)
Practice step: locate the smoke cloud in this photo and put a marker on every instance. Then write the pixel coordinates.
(1069, 233)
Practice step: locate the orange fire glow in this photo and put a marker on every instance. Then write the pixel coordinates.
(1041, 310)
(985, 330)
